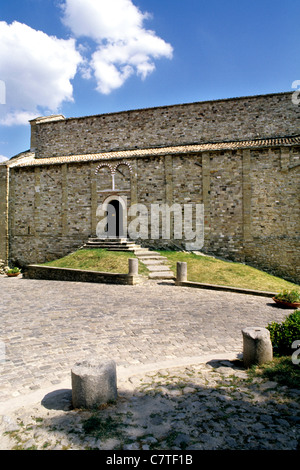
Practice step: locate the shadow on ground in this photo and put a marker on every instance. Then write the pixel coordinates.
(212, 406)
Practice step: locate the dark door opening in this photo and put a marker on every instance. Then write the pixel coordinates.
(115, 228)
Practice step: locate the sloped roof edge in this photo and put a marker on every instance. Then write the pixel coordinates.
(28, 158)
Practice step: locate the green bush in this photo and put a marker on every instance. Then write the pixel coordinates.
(289, 296)
(13, 271)
(284, 334)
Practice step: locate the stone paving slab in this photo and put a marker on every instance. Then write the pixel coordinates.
(47, 326)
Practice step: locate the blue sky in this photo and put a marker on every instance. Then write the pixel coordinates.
(83, 57)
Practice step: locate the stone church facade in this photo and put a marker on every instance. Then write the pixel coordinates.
(238, 159)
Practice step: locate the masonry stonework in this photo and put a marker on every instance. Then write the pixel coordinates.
(211, 121)
(240, 158)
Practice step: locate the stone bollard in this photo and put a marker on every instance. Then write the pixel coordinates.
(133, 266)
(181, 275)
(257, 346)
(94, 383)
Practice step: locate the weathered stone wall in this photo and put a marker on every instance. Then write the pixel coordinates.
(250, 197)
(274, 240)
(212, 121)
(3, 213)
(225, 204)
(77, 275)
(250, 192)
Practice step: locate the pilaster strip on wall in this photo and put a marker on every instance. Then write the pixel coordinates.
(169, 179)
(246, 195)
(37, 199)
(11, 204)
(133, 180)
(64, 200)
(285, 159)
(94, 198)
(206, 194)
(4, 194)
(169, 187)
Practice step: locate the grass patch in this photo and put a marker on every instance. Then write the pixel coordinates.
(210, 270)
(202, 269)
(280, 370)
(97, 260)
(103, 428)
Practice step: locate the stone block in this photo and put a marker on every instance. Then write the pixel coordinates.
(181, 272)
(133, 266)
(257, 346)
(94, 383)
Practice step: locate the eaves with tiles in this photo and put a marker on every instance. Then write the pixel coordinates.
(28, 159)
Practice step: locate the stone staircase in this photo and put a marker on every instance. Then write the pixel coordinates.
(154, 261)
(111, 244)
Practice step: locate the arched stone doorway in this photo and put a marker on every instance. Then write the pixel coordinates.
(114, 223)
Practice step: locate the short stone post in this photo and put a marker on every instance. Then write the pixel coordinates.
(94, 383)
(133, 266)
(181, 275)
(257, 346)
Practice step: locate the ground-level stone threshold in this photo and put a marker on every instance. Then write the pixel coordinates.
(181, 384)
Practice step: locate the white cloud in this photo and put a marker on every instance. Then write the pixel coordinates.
(37, 70)
(17, 117)
(112, 20)
(123, 46)
(3, 159)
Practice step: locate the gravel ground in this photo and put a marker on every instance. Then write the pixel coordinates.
(207, 406)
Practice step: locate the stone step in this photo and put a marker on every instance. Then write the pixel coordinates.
(156, 263)
(120, 248)
(152, 262)
(140, 249)
(159, 268)
(144, 260)
(161, 275)
(110, 245)
(110, 240)
(149, 254)
(113, 244)
(124, 249)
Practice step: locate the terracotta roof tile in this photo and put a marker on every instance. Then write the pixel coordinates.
(28, 159)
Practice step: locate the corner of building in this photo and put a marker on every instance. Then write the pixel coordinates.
(4, 190)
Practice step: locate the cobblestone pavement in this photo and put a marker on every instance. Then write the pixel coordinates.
(47, 326)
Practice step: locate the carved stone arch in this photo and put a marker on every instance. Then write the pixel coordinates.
(124, 163)
(105, 178)
(103, 165)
